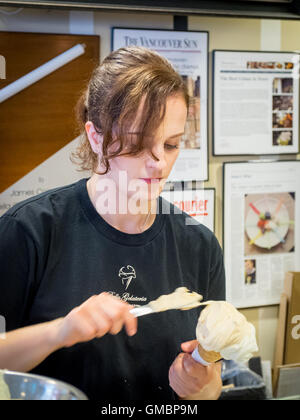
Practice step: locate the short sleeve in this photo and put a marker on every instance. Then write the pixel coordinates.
(217, 288)
(17, 256)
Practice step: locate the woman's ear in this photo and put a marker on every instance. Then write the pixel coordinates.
(94, 137)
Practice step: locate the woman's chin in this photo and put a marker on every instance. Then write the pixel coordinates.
(148, 195)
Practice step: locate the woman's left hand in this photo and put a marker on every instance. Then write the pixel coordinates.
(193, 381)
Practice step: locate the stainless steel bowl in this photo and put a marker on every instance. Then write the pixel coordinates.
(26, 386)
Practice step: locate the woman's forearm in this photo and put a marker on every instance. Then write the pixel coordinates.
(25, 348)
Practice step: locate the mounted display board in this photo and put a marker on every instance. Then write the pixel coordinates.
(255, 103)
(39, 120)
(261, 229)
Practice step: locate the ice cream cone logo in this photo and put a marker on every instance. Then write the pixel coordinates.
(127, 274)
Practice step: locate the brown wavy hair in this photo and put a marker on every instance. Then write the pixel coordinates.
(112, 98)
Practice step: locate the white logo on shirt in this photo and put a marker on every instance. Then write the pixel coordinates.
(127, 274)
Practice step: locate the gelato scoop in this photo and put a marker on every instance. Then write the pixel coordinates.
(224, 333)
(181, 298)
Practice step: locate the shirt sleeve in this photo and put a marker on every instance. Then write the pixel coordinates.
(217, 288)
(17, 257)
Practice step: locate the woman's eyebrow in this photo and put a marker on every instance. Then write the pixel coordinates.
(175, 135)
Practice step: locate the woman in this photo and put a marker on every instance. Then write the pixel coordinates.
(74, 260)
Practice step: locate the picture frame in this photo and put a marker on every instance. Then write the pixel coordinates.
(261, 209)
(197, 202)
(255, 102)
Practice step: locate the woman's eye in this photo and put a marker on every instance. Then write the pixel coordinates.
(171, 146)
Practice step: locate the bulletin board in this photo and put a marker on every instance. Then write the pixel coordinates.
(39, 120)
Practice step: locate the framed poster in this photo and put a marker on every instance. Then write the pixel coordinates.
(255, 103)
(261, 229)
(188, 53)
(197, 203)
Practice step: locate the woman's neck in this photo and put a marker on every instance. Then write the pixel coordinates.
(108, 205)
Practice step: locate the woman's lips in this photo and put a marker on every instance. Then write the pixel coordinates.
(151, 180)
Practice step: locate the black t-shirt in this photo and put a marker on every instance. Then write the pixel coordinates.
(56, 252)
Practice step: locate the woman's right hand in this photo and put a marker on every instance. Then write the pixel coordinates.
(97, 316)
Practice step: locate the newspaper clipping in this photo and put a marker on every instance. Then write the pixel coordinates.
(261, 229)
(256, 103)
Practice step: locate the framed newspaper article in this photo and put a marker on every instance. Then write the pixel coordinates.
(188, 53)
(261, 229)
(255, 103)
(199, 203)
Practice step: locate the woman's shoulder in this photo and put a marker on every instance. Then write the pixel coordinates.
(44, 209)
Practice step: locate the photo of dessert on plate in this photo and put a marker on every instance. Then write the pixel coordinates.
(269, 223)
(282, 119)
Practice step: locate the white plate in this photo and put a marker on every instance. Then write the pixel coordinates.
(269, 239)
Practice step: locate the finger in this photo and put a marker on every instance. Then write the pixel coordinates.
(97, 319)
(130, 323)
(176, 382)
(189, 346)
(118, 312)
(177, 385)
(121, 316)
(194, 369)
(108, 313)
(183, 389)
(85, 325)
(181, 371)
(116, 327)
(116, 315)
(181, 384)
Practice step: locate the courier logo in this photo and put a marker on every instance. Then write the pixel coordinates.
(2, 67)
(296, 329)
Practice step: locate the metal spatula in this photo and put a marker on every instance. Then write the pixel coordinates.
(147, 309)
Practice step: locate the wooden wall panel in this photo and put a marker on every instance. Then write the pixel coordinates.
(40, 120)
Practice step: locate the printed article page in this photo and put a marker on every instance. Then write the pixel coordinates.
(188, 53)
(261, 229)
(256, 103)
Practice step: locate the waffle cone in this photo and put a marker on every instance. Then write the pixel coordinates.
(209, 356)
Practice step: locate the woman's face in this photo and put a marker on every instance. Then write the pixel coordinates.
(143, 176)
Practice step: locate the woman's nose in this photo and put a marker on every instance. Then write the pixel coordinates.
(156, 158)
